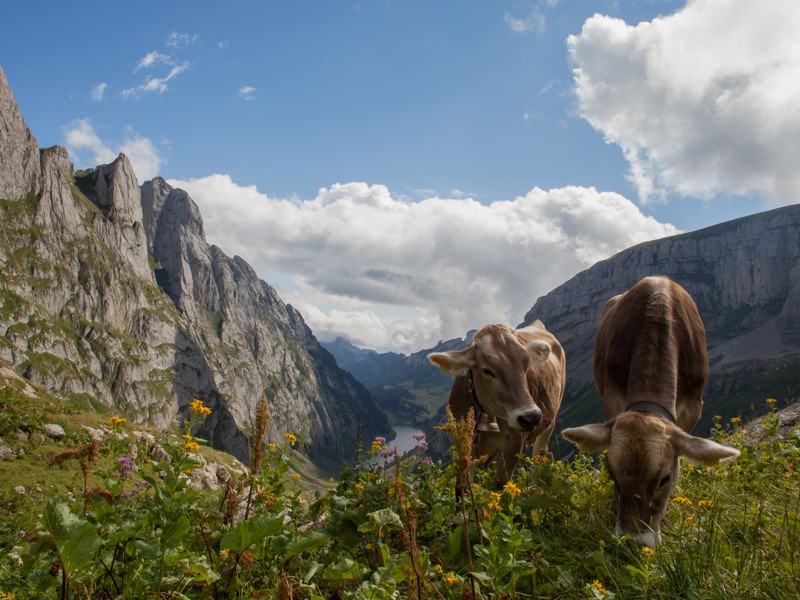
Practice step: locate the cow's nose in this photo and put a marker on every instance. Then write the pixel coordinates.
(528, 420)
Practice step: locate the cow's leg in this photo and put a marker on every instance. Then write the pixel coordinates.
(540, 441)
(509, 457)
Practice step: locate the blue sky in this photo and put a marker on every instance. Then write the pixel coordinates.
(403, 171)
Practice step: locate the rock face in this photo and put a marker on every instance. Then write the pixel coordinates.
(744, 276)
(111, 296)
(19, 153)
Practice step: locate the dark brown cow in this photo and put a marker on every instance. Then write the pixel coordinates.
(513, 376)
(650, 367)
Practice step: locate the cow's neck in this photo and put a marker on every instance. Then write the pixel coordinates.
(473, 395)
(484, 421)
(653, 407)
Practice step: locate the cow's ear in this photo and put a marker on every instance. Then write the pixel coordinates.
(455, 360)
(590, 438)
(539, 351)
(700, 451)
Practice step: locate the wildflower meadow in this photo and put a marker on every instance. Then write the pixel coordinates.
(398, 527)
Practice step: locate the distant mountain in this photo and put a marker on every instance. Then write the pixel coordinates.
(111, 297)
(407, 386)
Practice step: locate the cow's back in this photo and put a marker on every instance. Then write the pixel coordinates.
(651, 346)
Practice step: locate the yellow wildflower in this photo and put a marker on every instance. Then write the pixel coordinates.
(495, 503)
(295, 476)
(115, 421)
(705, 503)
(223, 554)
(598, 586)
(191, 446)
(682, 500)
(718, 417)
(736, 419)
(647, 551)
(196, 406)
(438, 569)
(359, 487)
(187, 437)
(451, 578)
(271, 447)
(771, 401)
(511, 489)
(291, 438)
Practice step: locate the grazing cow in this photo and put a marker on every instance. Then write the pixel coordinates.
(650, 367)
(514, 380)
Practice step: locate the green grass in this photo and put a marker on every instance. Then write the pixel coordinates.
(395, 531)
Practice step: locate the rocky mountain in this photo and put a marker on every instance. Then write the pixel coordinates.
(745, 278)
(112, 297)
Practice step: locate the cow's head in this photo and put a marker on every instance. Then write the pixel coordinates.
(499, 363)
(642, 460)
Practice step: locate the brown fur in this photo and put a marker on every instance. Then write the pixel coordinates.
(520, 371)
(650, 347)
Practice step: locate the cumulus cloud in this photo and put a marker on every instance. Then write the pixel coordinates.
(391, 273)
(247, 92)
(701, 102)
(87, 150)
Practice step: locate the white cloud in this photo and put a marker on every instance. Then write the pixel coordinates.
(143, 154)
(533, 22)
(81, 140)
(98, 92)
(701, 102)
(392, 273)
(86, 149)
(181, 40)
(153, 58)
(155, 84)
(247, 92)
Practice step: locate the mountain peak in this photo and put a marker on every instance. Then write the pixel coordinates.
(20, 169)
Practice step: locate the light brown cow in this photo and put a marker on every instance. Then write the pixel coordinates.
(513, 376)
(650, 367)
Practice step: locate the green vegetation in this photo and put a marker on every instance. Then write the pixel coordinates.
(135, 527)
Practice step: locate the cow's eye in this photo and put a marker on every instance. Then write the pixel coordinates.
(664, 481)
(488, 373)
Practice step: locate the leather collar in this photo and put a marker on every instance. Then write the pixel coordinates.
(651, 407)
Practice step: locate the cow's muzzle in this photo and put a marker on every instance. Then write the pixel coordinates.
(528, 420)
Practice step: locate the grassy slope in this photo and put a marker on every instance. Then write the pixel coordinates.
(734, 532)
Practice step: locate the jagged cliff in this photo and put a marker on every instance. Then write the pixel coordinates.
(745, 277)
(111, 296)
